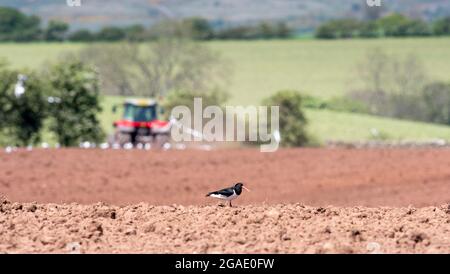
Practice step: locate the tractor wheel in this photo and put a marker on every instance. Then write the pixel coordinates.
(120, 138)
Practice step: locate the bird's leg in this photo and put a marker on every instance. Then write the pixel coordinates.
(231, 204)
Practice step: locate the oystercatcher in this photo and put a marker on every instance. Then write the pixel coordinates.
(228, 194)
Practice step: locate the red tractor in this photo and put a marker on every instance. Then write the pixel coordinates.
(140, 124)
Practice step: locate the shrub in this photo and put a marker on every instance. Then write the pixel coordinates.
(442, 26)
(56, 31)
(292, 120)
(74, 118)
(436, 100)
(21, 117)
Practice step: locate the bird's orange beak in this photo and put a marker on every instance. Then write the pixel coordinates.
(246, 188)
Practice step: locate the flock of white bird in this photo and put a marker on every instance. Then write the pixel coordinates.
(104, 146)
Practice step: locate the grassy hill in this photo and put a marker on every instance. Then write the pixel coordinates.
(260, 68)
(321, 68)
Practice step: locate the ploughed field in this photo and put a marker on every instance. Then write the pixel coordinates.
(320, 177)
(292, 228)
(301, 200)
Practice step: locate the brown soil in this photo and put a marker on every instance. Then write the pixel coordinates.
(378, 177)
(294, 228)
(158, 204)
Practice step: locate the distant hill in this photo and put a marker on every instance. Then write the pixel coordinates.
(299, 14)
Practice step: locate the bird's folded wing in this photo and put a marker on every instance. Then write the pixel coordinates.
(225, 191)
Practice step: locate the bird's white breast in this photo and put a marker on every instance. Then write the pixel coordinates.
(223, 197)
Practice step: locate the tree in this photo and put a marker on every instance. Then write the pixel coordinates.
(21, 115)
(154, 69)
(74, 116)
(82, 35)
(29, 111)
(418, 28)
(347, 28)
(16, 26)
(10, 20)
(391, 86)
(193, 28)
(265, 31)
(110, 34)
(113, 64)
(326, 31)
(135, 33)
(7, 81)
(56, 31)
(30, 30)
(292, 120)
(168, 29)
(393, 25)
(240, 32)
(340, 28)
(442, 26)
(198, 28)
(282, 30)
(399, 25)
(369, 30)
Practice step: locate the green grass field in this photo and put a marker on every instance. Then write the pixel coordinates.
(260, 68)
(327, 125)
(320, 68)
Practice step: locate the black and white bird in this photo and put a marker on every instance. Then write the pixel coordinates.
(229, 193)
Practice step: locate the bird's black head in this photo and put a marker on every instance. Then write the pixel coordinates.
(238, 188)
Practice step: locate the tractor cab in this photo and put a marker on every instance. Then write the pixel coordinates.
(140, 110)
(139, 122)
